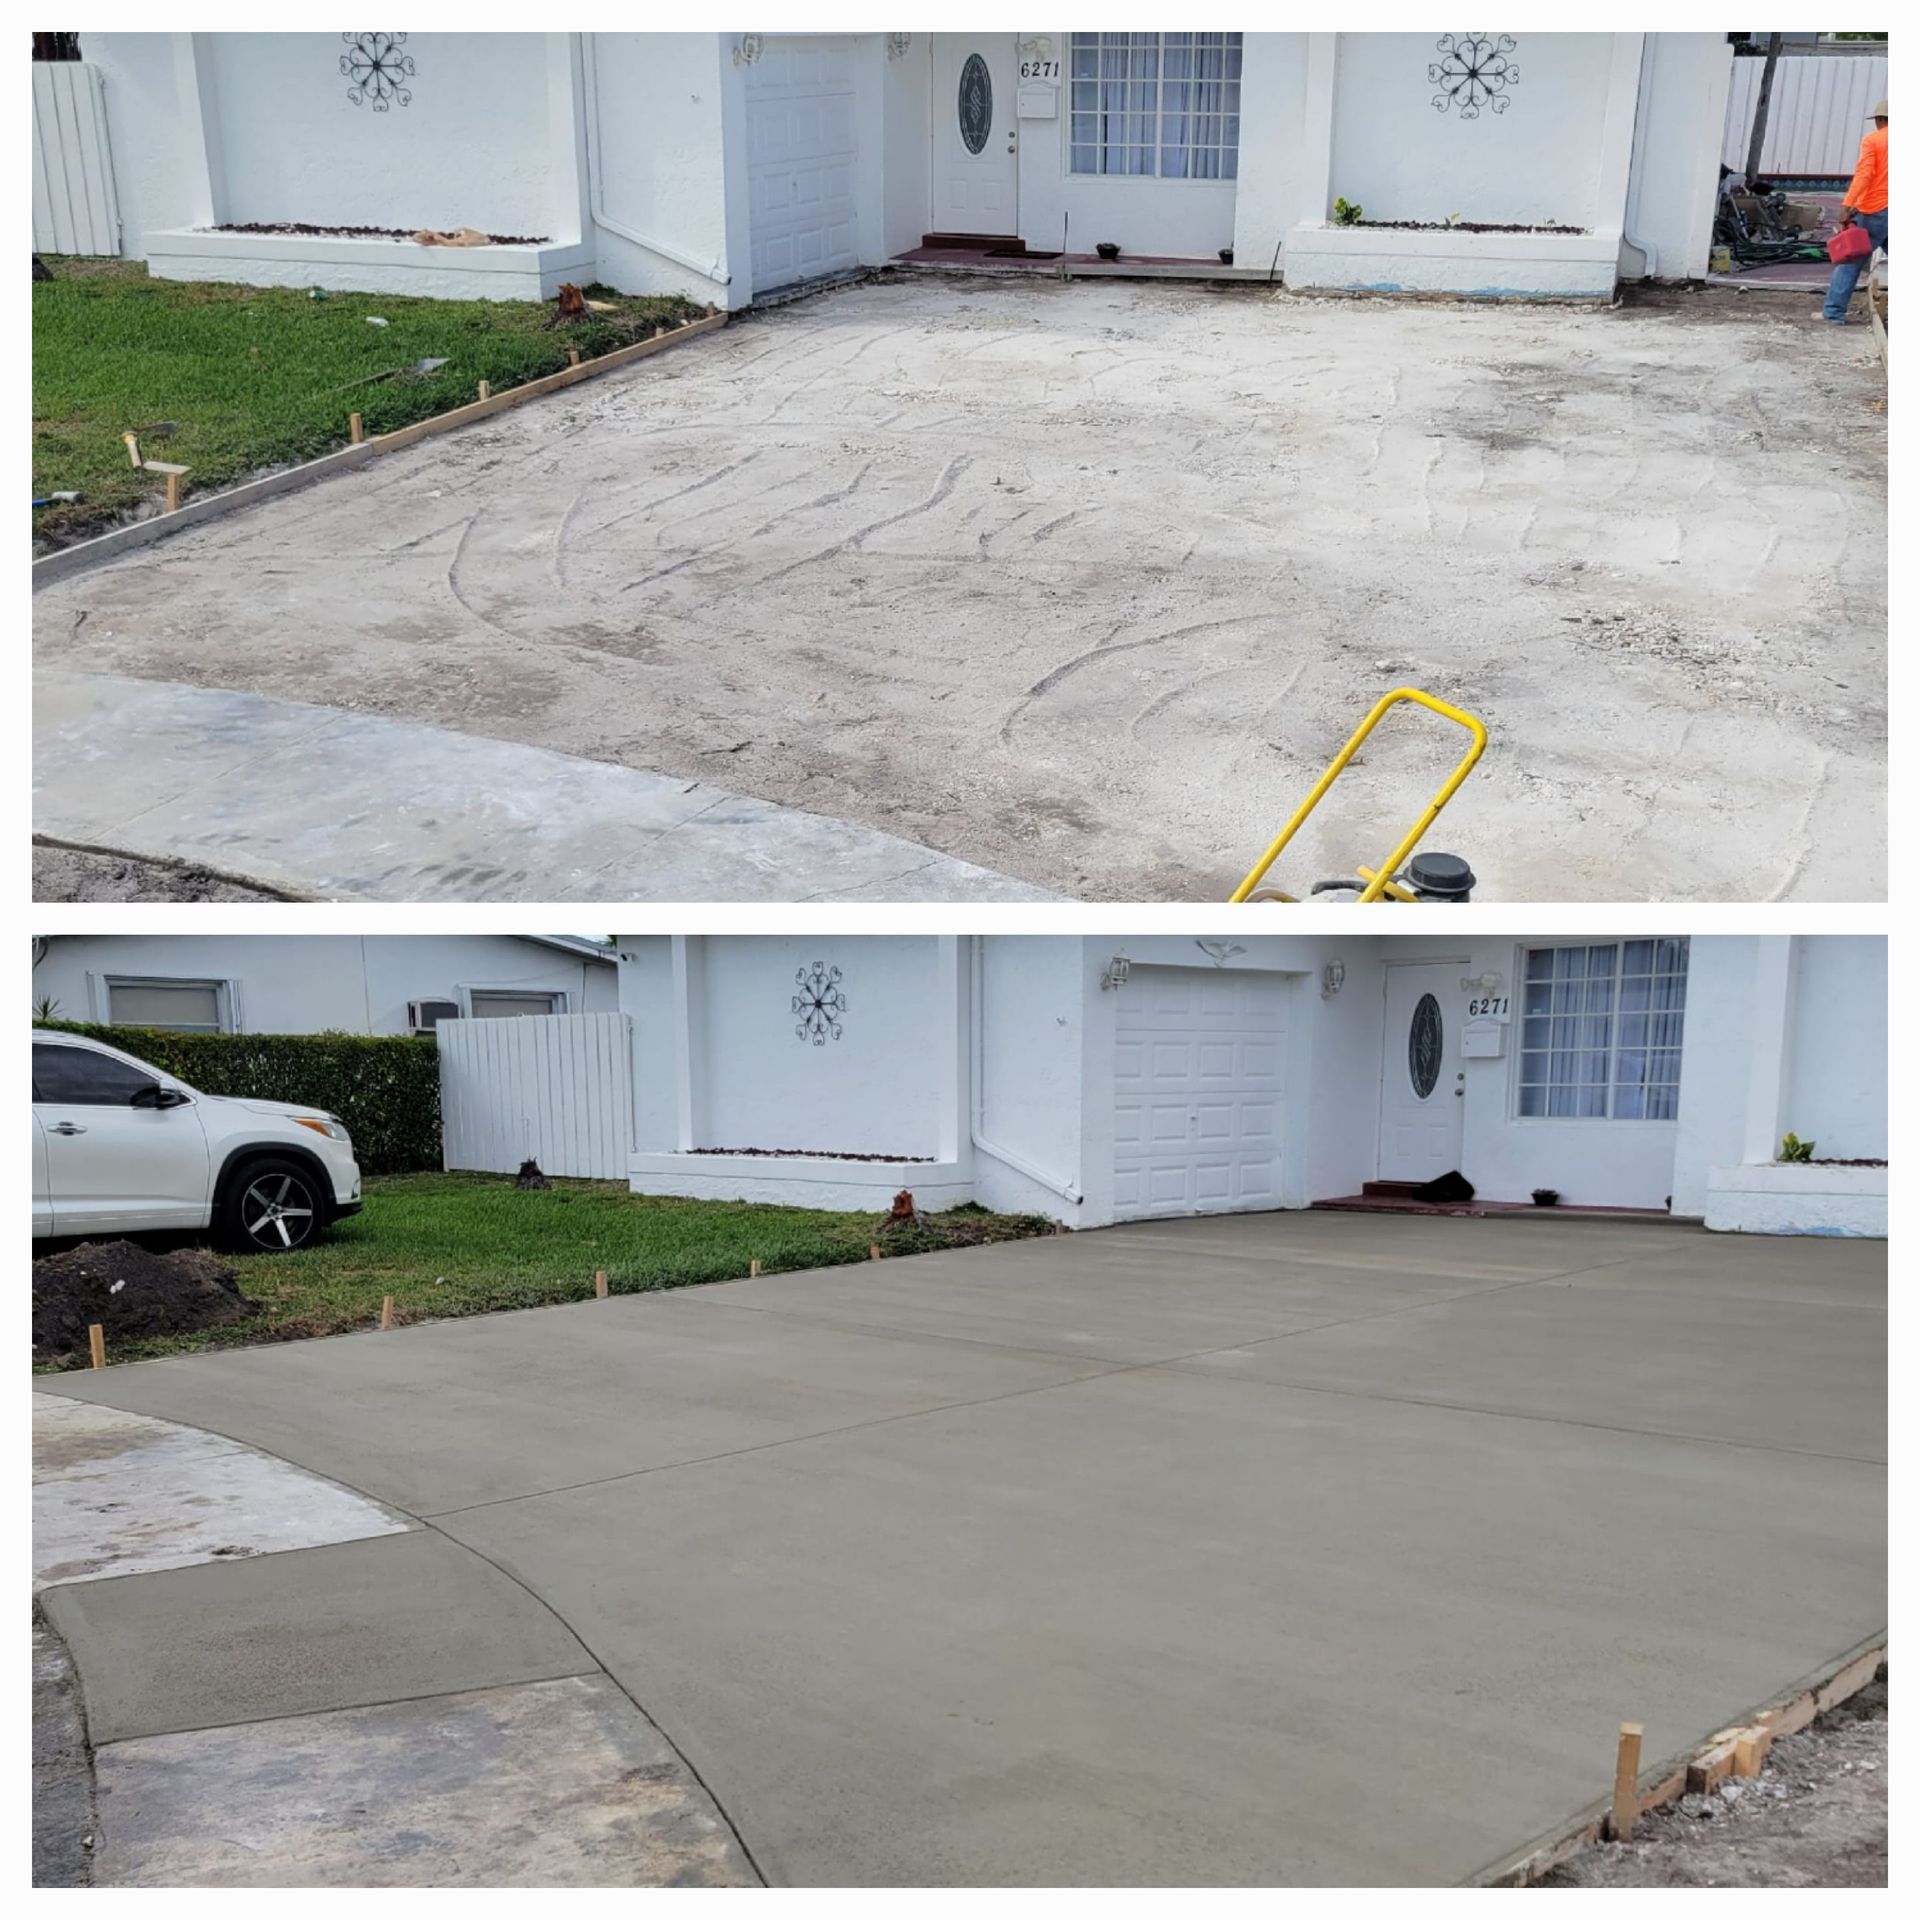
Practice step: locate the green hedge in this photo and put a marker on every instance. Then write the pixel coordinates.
(387, 1091)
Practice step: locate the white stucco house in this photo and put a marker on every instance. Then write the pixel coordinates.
(726, 166)
(318, 983)
(1097, 1080)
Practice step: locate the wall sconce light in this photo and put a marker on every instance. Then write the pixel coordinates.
(1037, 46)
(1483, 983)
(1333, 976)
(1115, 976)
(748, 48)
(897, 45)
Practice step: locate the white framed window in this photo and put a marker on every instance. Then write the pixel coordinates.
(1160, 105)
(1601, 1030)
(179, 1006)
(508, 1003)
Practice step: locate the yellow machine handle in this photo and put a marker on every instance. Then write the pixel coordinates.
(1380, 880)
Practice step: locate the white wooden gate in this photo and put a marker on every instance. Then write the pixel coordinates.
(75, 209)
(1817, 115)
(556, 1088)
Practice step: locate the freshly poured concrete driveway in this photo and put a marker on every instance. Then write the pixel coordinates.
(1270, 1549)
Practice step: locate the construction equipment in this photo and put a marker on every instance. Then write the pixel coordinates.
(1427, 876)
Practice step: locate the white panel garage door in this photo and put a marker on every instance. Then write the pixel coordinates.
(801, 150)
(1199, 1091)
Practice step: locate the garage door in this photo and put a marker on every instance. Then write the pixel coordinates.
(1199, 1091)
(801, 151)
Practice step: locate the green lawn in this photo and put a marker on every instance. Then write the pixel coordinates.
(253, 377)
(458, 1243)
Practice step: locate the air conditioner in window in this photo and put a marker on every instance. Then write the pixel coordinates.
(424, 1015)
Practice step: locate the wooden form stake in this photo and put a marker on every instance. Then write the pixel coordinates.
(753, 1269)
(1626, 1782)
(573, 356)
(386, 1313)
(354, 432)
(97, 1345)
(873, 1251)
(486, 392)
(600, 1284)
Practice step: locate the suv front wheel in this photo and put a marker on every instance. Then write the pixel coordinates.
(271, 1206)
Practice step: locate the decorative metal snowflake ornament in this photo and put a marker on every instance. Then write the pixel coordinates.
(376, 66)
(819, 1003)
(1475, 73)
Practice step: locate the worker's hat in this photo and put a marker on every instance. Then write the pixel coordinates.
(1879, 112)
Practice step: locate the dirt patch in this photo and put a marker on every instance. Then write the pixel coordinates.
(63, 1829)
(130, 1292)
(815, 1153)
(364, 233)
(1458, 226)
(1815, 1816)
(1087, 581)
(60, 873)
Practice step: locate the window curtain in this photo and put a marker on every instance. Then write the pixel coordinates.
(1152, 103)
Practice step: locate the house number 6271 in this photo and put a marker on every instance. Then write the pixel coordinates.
(1039, 69)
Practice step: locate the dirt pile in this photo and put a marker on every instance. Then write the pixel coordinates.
(130, 1292)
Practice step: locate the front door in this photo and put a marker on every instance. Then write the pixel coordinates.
(975, 134)
(1422, 1083)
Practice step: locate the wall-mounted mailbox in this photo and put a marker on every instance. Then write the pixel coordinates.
(1483, 1040)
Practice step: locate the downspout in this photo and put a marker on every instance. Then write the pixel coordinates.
(1649, 254)
(596, 203)
(977, 1102)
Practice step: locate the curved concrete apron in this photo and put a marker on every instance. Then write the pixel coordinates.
(1272, 1549)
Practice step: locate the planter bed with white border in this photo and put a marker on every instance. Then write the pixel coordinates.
(367, 265)
(1798, 1197)
(803, 1180)
(1486, 266)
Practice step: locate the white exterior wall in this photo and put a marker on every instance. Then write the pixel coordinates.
(157, 134)
(1143, 214)
(656, 116)
(483, 142)
(1676, 170)
(1040, 1089)
(1032, 1066)
(713, 1022)
(321, 983)
(1837, 1076)
(904, 156)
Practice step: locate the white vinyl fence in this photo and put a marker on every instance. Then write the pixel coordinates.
(1817, 116)
(556, 1088)
(75, 209)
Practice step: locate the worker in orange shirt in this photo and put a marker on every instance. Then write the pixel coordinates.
(1866, 202)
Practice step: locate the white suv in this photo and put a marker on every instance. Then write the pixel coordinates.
(120, 1147)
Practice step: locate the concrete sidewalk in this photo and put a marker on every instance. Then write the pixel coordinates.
(1294, 1549)
(339, 805)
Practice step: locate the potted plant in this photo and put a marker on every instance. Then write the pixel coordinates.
(1108, 249)
(1546, 1196)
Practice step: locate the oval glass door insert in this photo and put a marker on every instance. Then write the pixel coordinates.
(976, 103)
(1424, 1046)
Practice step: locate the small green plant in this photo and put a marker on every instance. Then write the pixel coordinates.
(1794, 1148)
(1346, 214)
(46, 1008)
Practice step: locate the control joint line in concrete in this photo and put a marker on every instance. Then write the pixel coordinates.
(533, 1593)
(1514, 1413)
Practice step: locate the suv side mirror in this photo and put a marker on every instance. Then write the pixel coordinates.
(159, 1097)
